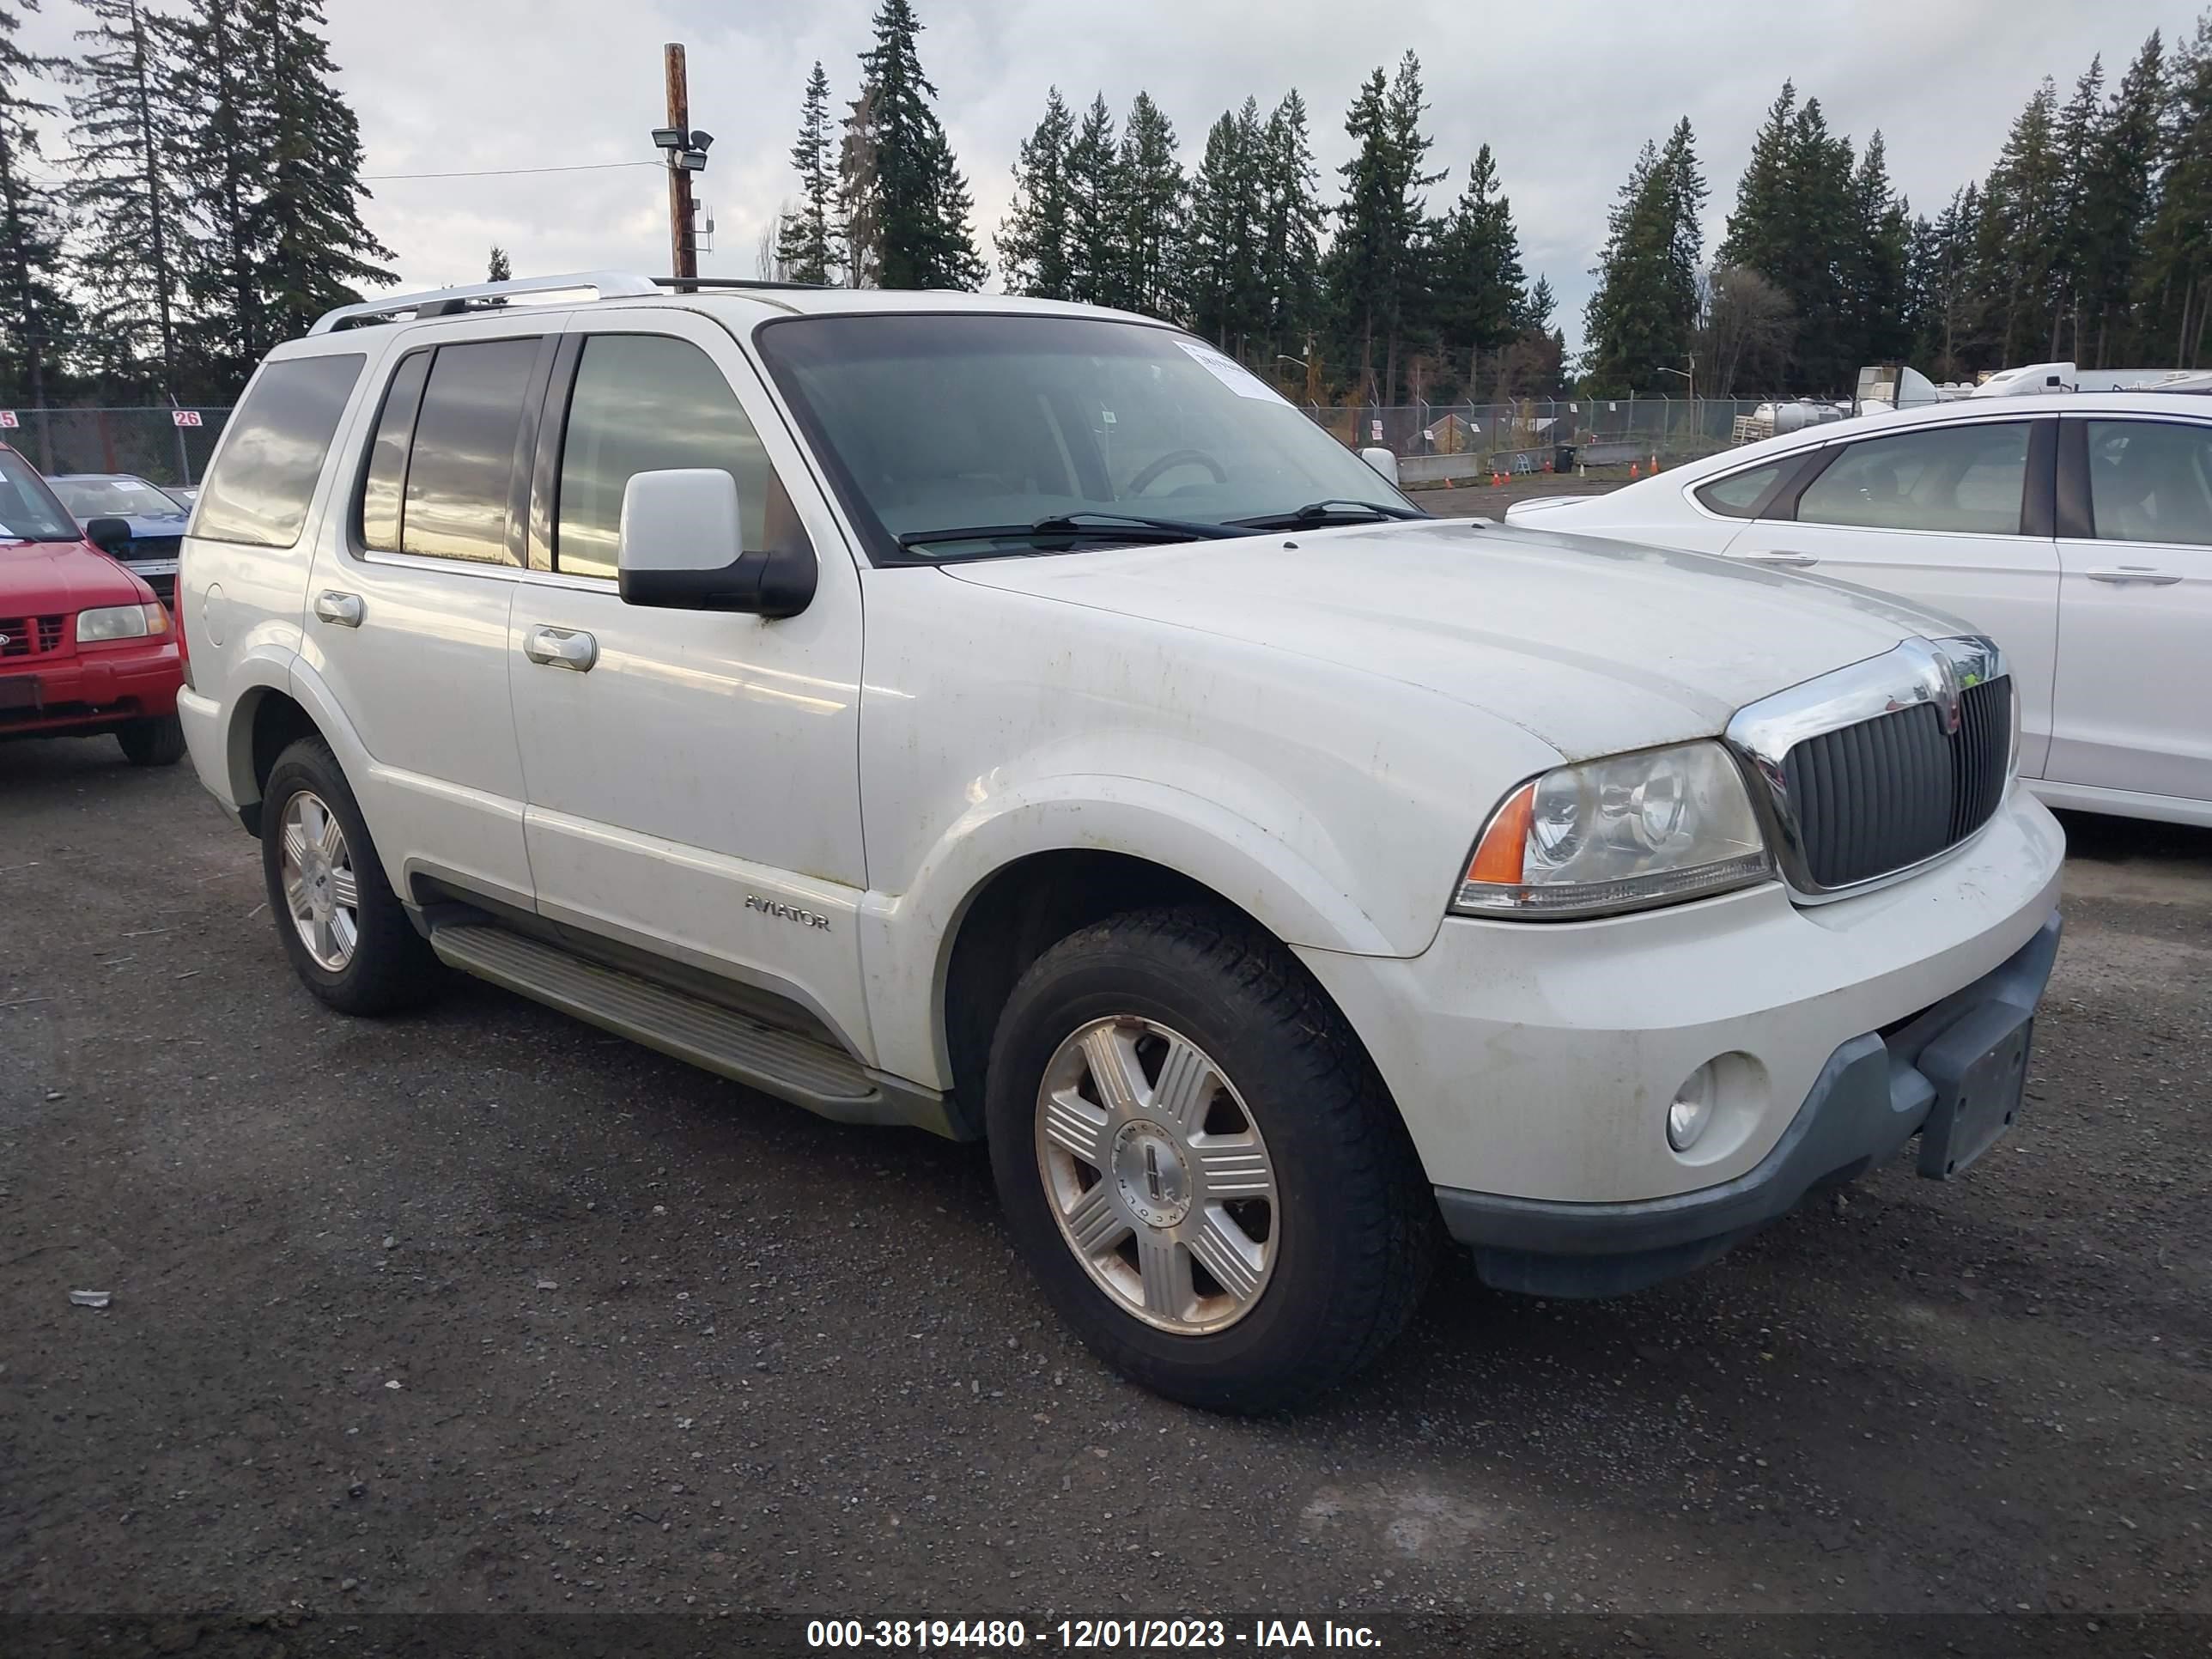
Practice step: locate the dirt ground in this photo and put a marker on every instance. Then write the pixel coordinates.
(482, 1310)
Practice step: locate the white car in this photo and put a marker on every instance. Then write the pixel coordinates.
(1014, 719)
(2074, 529)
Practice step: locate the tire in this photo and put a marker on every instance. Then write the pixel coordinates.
(384, 965)
(156, 742)
(1340, 1248)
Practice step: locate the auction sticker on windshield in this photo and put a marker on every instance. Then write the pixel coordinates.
(1231, 373)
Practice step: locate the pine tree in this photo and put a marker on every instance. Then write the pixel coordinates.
(1644, 307)
(498, 268)
(315, 252)
(1802, 218)
(1875, 277)
(1036, 241)
(124, 194)
(1290, 257)
(2020, 248)
(806, 239)
(2176, 282)
(1152, 211)
(1480, 305)
(1377, 266)
(1097, 263)
(222, 149)
(38, 323)
(2081, 126)
(2116, 205)
(912, 188)
(1225, 283)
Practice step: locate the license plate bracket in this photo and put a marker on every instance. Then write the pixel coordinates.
(20, 691)
(1979, 1068)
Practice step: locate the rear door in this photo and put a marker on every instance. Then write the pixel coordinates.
(1955, 516)
(2134, 707)
(407, 610)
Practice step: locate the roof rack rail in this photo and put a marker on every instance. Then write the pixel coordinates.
(449, 302)
(681, 283)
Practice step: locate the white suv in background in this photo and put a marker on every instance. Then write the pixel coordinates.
(2076, 529)
(1014, 719)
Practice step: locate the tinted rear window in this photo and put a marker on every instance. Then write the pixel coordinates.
(273, 451)
(463, 461)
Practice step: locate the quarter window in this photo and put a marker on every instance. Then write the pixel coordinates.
(1968, 480)
(273, 451)
(386, 477)
(1738, 495)
(646, 403)
(2150, 480)
(460, 469)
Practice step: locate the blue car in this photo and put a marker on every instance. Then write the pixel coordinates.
(156, 520)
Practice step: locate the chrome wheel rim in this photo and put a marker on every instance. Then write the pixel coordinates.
(1157, 1176)
(320, 889)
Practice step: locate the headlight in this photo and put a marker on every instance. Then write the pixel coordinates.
(120, 622)
(1617, 835)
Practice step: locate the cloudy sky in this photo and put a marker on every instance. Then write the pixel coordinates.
(1564, 95)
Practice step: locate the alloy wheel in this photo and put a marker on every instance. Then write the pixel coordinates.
(1158, 1175)
(319, 888)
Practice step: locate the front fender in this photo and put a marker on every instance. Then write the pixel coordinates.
(907, 939)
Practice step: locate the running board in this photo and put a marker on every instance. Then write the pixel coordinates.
(787, 1063)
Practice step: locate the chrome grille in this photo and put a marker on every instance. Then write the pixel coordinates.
(1870, 771)
(1897, 789)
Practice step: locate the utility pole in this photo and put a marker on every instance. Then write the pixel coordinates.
(683, 247)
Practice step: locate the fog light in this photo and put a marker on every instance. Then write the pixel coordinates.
(1692, 1113)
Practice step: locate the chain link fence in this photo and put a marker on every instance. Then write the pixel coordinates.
(167, 446)
(1441, 442)
(1435, 443)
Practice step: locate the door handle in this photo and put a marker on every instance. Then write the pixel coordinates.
(562, 648)
(1799, 560)
(343, 609)
(2135, 573)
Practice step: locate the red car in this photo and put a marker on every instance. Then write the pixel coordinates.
(85, 648)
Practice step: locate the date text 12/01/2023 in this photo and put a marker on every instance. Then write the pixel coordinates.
(1078, 1635)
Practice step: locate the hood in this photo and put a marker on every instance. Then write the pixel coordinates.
(44, 578)
(1593, 646)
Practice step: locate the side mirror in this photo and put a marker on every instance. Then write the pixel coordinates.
(1382, 461)
(108, 535)
(682, 549)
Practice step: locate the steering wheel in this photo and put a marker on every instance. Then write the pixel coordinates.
(1174, 457)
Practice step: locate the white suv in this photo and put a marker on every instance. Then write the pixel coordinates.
(1014, 719)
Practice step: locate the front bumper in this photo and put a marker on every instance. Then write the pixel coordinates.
(94, 691)
(1534, 1062)
(1876, 1092)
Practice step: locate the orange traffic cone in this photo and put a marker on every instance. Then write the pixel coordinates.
(1654, 463)
(1632, 472)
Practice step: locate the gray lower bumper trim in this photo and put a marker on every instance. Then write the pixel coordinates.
(1870, 1099)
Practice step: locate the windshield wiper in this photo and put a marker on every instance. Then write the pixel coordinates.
(1336, 506)
(1128, 526)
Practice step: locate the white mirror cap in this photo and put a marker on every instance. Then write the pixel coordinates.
(1382, 461)
(681, 518)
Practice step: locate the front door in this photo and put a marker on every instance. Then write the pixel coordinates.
(1937, 516)
(693, 776)
(2134, 709)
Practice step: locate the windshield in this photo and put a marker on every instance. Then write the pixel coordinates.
(115, 498)
(29, 511)
(1040, 433)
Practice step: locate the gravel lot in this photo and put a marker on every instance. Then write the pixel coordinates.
(481, 1309)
